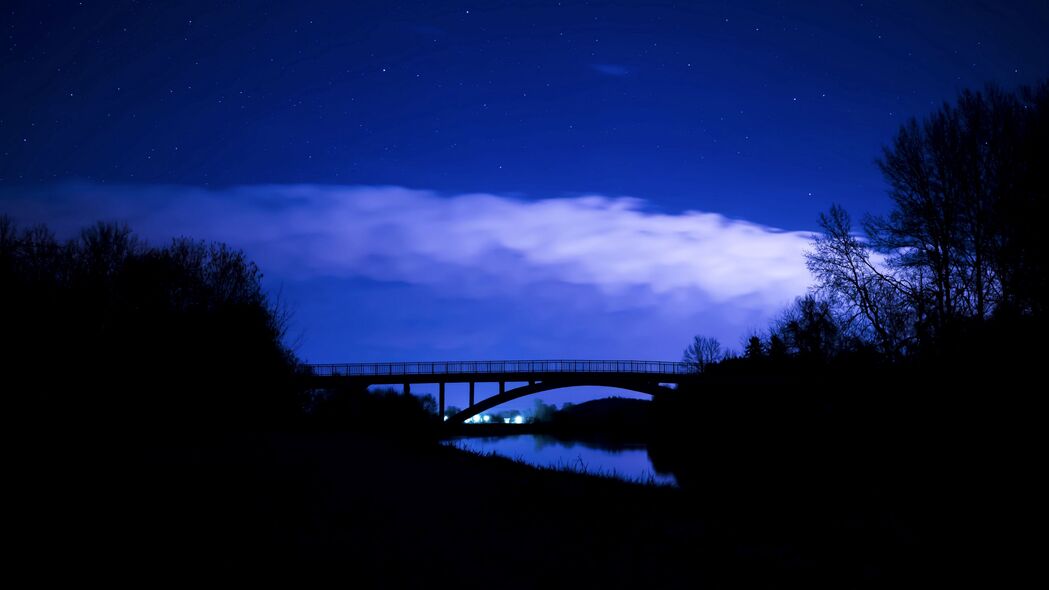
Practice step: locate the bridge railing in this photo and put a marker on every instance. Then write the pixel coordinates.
(499, 367)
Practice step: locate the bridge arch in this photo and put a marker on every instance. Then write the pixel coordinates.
(652, 389)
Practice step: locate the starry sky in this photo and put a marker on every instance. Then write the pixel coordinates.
(452, 180)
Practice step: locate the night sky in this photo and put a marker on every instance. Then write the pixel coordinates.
(447, 180)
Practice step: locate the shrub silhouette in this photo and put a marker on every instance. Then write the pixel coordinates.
(106, 331)
(382, 411)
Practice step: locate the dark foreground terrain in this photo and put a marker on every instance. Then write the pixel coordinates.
(869, 494)
(382, 514)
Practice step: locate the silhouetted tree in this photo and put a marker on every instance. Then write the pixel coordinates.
(1021, 252)
(810, 330)
(428, 404)
(874, 299)
(959, 181)
(383, 411)
(962, 243)
(116, 333)
(777, 348)
(702, 352)
(542, 412)
(754, 350)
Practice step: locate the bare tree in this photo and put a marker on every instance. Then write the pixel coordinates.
(702, 352)
(870, 297)
(958, 180)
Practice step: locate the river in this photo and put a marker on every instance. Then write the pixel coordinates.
(629, 462)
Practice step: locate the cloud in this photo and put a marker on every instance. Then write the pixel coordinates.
(472, 245)
(611, 70)
(387, 272)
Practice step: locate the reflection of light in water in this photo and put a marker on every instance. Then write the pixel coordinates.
(542, 441)
(625, 462)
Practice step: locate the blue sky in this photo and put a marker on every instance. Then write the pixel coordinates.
(448, 180)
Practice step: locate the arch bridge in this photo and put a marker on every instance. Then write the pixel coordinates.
(528, 377)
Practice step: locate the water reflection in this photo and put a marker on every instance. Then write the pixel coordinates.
(624, 461)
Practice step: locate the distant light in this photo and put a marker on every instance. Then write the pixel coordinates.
(486, 417)
(519, 420)
(506, 420)
(446, 418)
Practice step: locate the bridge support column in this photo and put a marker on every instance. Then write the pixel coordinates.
(441, 402)
(502, 387)
(407, 388)
(471, 395)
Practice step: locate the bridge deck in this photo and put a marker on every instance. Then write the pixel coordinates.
(530, 370)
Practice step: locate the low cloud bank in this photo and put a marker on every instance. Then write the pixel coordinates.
(471, 244)
(379, 273)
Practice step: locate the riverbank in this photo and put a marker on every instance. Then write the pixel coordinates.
(388, 514)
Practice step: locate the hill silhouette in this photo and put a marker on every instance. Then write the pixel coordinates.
(612, 414)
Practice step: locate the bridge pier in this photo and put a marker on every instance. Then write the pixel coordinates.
(471, 394)
(441, 402)
(502, 387)
(407, 388)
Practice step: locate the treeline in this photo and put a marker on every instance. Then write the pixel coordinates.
(917, 345)
(905, 374)
(105, 331)
(383, 412)
(955, 273)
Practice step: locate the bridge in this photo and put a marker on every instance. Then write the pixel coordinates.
(529, 377)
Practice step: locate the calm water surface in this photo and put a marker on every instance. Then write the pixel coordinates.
(629, 462)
